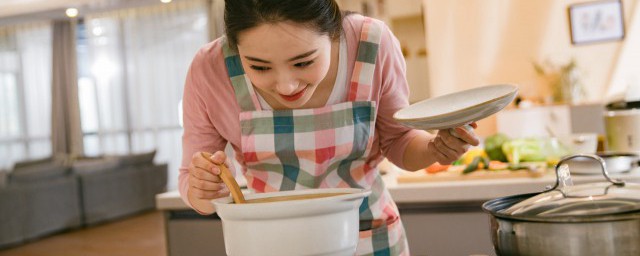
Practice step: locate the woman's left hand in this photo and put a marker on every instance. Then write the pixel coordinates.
(447, 147)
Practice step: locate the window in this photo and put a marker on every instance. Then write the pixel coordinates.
(25, 98)
(132, 67)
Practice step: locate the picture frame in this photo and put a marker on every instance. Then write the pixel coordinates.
(596, 21)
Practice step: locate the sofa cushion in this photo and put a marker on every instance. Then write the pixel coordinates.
(37, 172)
(95, 165)
(30, 162)
(137, 159)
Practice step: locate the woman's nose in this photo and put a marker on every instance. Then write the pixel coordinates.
(285, 84)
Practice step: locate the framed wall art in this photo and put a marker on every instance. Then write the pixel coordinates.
(596, 21)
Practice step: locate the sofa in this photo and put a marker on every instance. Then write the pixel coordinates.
(47, 196)
(117, 186)
(38, 199)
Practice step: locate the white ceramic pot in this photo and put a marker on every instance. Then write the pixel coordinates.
(319, 226)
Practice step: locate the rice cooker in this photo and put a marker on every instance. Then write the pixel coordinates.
(622, 127)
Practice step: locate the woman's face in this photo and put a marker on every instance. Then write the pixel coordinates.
(285, 61)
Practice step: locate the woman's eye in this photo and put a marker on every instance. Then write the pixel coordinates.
(260, 68)
(304, 64)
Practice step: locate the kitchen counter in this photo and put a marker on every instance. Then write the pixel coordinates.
(437, 215)
(478, 190)
(446, 191)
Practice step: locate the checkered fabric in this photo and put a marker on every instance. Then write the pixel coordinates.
(322, 147)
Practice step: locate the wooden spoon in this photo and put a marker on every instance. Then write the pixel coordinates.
(229, 180)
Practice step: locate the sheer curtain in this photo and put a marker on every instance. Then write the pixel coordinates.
(132, 70)
(25, 92)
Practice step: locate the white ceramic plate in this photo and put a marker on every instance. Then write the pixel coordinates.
(457, 109)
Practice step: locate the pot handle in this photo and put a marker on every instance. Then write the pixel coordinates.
(617, 182)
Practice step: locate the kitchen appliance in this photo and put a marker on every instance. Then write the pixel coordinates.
(318, 226)
(589, 219)
(622, 126)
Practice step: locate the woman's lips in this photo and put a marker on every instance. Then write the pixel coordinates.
(294, 97)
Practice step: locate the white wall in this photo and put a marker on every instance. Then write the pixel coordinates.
(625, 81)
(473, 43)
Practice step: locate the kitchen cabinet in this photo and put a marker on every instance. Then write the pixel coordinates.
(402, 8)
(447, 229)
(406, 21)
(411, 34)
(189, 233)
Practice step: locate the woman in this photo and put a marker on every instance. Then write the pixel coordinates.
(305, 96)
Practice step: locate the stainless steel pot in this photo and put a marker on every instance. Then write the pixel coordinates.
(590, 219)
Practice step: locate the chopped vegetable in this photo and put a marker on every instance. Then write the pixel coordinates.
(473, 165)
(497, 165)
(436, 167)
(493, 146)
(484, 164)
(468, 157)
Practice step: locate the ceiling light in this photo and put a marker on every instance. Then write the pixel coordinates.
(165, 1)
(71, 12)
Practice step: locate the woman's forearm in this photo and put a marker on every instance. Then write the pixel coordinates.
(415, 154)
(444, 147)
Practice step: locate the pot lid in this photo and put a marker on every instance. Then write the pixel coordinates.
(622, 105)
(590, 199)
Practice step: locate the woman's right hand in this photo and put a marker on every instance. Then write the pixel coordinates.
(204, 180)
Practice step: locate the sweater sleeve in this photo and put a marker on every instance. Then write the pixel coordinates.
(394, 95)
(199, 134)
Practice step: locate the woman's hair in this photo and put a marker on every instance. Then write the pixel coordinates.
(322, 15)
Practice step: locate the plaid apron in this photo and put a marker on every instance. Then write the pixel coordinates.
(323, 147)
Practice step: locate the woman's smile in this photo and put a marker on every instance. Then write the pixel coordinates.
(295, 96)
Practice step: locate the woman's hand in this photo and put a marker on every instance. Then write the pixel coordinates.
(204, 180)
(446, 147)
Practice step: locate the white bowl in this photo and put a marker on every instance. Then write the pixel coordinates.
(319, 226)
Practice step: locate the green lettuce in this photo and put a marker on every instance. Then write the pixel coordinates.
(524, 150)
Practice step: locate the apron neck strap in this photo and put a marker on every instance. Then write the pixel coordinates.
(245, 94)
(364, 68)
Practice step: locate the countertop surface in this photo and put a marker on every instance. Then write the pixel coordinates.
(447, 191)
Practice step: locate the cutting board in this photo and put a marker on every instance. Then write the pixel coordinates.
(421, 176)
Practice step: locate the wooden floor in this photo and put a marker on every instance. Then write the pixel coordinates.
(140, 235)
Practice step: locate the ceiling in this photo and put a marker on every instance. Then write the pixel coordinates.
(16, 11)
(10, 8)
